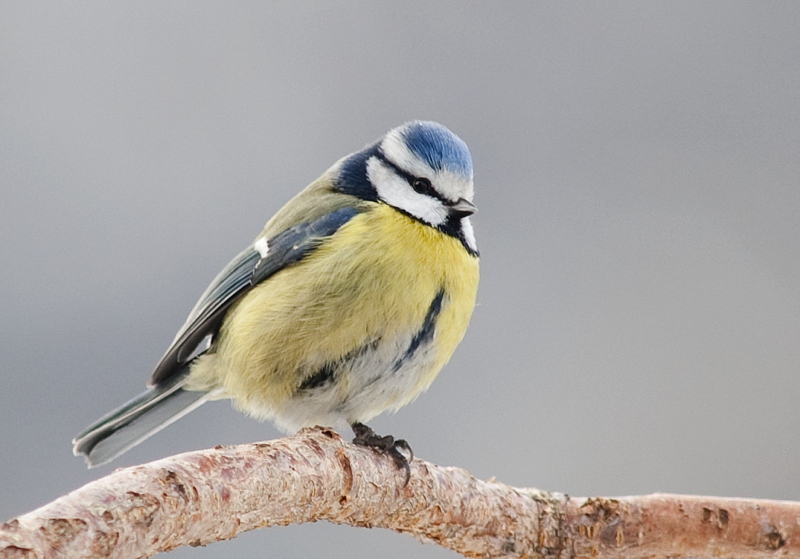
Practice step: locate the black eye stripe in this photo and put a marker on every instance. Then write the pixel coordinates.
(426, 188)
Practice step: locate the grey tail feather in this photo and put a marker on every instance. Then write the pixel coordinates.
(134, 421)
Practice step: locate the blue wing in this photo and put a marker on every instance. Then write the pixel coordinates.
(237, 278)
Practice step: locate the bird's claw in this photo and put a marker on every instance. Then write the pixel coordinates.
(395, 448)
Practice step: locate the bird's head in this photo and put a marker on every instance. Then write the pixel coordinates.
(419, 168)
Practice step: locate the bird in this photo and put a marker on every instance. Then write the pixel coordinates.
(347, 304)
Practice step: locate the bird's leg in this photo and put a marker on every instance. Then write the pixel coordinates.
(365, 436)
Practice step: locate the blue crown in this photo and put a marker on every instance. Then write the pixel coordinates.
(438, 147)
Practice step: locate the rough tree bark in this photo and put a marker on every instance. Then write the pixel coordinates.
(201, 497)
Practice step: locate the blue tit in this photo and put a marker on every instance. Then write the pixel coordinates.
(348, 304)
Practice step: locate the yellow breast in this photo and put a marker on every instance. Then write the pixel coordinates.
(374, 279)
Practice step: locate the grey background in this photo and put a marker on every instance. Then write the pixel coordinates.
(636, 172)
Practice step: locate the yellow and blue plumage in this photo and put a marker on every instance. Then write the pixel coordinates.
(348, 304)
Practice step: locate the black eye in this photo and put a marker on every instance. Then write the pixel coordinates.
(422, 185)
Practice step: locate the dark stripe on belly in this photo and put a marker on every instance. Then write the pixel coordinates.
(323, 376)
(425, 333)
(327, 373)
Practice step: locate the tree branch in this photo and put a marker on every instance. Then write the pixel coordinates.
(201, 497)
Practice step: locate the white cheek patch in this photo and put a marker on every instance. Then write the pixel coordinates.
(469, 233)
(396, 192)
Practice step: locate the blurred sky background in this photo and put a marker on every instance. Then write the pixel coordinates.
(637, 170)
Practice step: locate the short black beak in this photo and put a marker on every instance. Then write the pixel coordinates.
(462, 208)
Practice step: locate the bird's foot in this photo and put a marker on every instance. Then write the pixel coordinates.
(396, 448)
